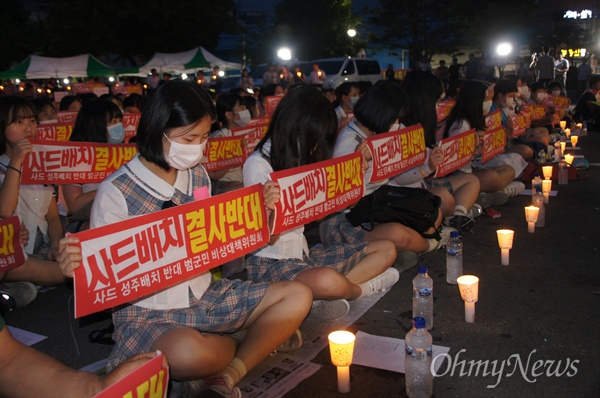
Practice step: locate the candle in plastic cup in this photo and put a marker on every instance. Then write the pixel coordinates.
(505, 241)
(341, 348)
(579, 126)
(574, 140)
(563, 124)
(531, 216)
(468, 285)
(546, 188)
(569, 159)
(547, 170)
(567, 132)
(563, 146)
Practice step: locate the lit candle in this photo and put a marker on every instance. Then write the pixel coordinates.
(468, 285)
(547, 170)
(505, 241)
(546, 188)
(569, 159)
(574, 140)
(563, 124)
(563, 146)
(531, 215)
(579, 126)
(568, 132)
(341, 348)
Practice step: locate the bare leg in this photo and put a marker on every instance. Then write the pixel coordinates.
(448, 200)
(523, 150)
(466, 189)
(40, 272)
(495, 179)
(403, 237)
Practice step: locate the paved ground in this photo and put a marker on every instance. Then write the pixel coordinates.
(544, 307)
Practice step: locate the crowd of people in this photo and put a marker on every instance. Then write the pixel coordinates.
(216, 330)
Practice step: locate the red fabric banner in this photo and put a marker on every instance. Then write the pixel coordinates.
(12, 254)
(458, 151)
(494, 142)
(54, 131)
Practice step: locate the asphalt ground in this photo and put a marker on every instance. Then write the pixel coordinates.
(537, 319)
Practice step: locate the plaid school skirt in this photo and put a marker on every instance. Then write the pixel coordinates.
(337, 230)
(341, 258)
(223, 308)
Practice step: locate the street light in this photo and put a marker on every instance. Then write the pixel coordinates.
(504, 49)
(351, 32)
(284, 53)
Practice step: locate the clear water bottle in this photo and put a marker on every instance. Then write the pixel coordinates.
(417, 361)
(535, 183)
(538, 201)
(454, 258)
(584, 129)
(423, 296)
(563, 173)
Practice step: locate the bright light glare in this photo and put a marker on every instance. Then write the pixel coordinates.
(284, 53)
(351, 32)
(66, 81)
(221, 73)
(111, 79)
(504, 49)
(184, 76)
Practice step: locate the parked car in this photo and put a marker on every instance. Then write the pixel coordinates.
(340, 70)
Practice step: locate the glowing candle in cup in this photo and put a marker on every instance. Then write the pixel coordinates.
(546, 188)
(341, 348)
(469, 292)
(547, 170)
(579, 126)
(563, 124)
(505, 241)
(568, 132)
(531, 215)
(574, 140)
(563, 146)
(569, 159)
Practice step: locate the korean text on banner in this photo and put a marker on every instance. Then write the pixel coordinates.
(253, 135)
(134, 258)
(443, 109)
(54, 131)
(12, 254)
(493, 119)
(313, 191)
(519, 122)
(66, 116)
(539, 111)
(223, 153)
(458, 151)
(149, 380)
(494, 142)
(130, 124)
(396, 151)
(271, 103)
(73, 162)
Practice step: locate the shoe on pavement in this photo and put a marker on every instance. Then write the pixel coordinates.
(23, 292)
(475, 211)
(217, 388)
(381, 282)
(292, 343)
(330, 310)
(492, 199)
(462, 223)
(514, 188)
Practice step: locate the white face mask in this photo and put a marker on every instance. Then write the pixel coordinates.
(487, 105)
(510, 102)
(556, 92)
(525, 93)
(244, 118)
(353, 101)
(184, 156)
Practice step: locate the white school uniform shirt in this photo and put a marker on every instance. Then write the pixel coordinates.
(346, 143)
(32, 206)
(110, 207)
(291, 243)
(234, 173)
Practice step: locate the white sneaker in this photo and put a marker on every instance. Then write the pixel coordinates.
(330, 310)
(475, 211)
(381, 282)
(514, 188)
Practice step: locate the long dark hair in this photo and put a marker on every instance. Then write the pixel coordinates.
(13, 108)
(469, 106)
(303, 129)
(423, 90)
(92, 120)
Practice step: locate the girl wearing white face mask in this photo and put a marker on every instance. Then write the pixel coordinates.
(539, 98)
(346, 95)
(231, 114)
(190, 321)
(98, 121)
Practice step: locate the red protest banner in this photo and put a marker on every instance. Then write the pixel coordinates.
(66, 116)
(131, 259)
(539, 111)
(458, 151)
(54, 131)
(253, 135)
(519, 124)
(127, 90)
(396, 151)
(12, 254)
(149, 380)
(271, 103)
(82, 88)
(443, 109)
(130, 124)
(494, 142)
(313, 191)
(73, 162)
(561, 102)
(223, 153)
(493, 119)
(259, 120)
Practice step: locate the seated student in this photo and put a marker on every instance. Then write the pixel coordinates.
(45, 111)
(588, 105)
(26, 372)
(35, 204)
(302, 132)
(70, 103)
(192, 322)
(98, 121)
(133, 103)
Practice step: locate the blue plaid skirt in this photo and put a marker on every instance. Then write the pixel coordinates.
(337, 230)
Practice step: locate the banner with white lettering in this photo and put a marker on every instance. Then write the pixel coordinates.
(130, 124)
(396, 151)
(271, 103)
(66, 116)
(458, 151)
(223, 153)
(134, 258)
(494, 142)
(253, 135)
(12, 254)
(311, 192)
(73, 162)
(443, 109)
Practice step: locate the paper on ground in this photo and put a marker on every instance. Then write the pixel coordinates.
(386, 353)
(528, 192)
(25, 337)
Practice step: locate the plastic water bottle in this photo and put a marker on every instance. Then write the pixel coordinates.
(584, 130)
(538, 201)
(535, 183)
(417, 361)
(423, 296)
(563, 173)
(454, 258)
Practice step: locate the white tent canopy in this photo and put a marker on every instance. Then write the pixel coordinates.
(187, 61)
(36, 67)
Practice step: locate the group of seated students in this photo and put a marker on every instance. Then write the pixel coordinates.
(216, 330)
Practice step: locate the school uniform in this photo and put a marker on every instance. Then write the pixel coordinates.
(198, 303)
(233, 178)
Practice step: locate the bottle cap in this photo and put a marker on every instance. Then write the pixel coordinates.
(454, 234)
(422, 269)
(418, 322)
